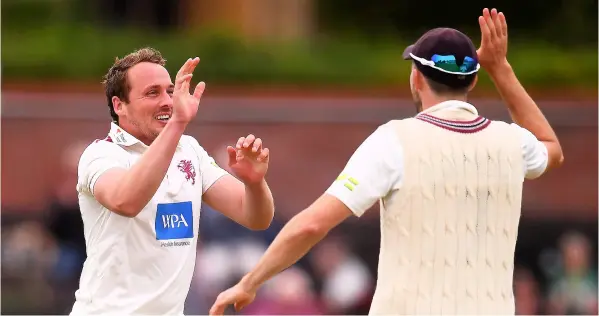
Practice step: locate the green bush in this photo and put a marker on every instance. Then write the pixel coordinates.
(84, 53)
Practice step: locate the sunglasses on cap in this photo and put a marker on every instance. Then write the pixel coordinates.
(448, 64)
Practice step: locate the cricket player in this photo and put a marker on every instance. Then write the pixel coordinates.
(449, 182)
(142, 187)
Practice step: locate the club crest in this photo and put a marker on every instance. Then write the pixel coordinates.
(187, 168)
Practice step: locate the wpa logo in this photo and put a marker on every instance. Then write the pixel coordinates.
(174, 221)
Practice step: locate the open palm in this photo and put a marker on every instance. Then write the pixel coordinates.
(493, 46)
(249, 160)
(185, 105)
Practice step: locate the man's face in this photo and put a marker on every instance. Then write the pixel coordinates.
(415, 94)
(150, 101)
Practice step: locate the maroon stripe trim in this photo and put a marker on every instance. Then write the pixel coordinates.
(464, 127)
(478, 118)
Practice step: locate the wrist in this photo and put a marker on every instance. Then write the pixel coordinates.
(176, 125)
(248, 284)
(499, 69)
(255, 185)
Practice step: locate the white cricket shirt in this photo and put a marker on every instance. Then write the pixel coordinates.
(377, 164)
(141, 265)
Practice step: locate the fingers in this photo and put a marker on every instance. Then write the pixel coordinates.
(232, 153)
(240, 142)
(257, 145)
(264, 155)
(217, 309)
(494, 16)
(496, 22)
(182, 83)
(193, 64)
(183, 78)
(484, 30)
(199, 90)
(188, 67)
(503, 24)
(222, 300)
(493, 28)
(247, 142)
(250, 145)
(181, 71)
(490, 23)
(225, 299)
(239, 306)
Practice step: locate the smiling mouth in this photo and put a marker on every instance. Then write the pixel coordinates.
(163, 117)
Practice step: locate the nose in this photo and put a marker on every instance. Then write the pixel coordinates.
(167, 100)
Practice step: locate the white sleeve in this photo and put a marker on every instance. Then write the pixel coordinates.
(534, 154)
(374, 169)
(209, 170)
(97, 158)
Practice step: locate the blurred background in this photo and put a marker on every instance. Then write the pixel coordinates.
(313, 79)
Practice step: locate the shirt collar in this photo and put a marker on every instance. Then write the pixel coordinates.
(120, 137)
(451, 105)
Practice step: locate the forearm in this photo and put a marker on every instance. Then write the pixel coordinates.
(141, 182)
(291, 244)
(258, 205)
(523, 109)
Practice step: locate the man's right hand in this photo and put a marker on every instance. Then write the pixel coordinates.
(492, 54)
(238, 296)
(185, 105)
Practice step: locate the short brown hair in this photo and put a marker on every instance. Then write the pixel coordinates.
(444, 90)
(115, 81)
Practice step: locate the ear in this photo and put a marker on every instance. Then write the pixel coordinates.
(419, 82)
(473, 84)
(118, 105)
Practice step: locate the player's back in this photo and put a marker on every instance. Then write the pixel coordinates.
(448, 234)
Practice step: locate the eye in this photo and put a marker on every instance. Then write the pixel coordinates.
(152, 92)
(170, 91)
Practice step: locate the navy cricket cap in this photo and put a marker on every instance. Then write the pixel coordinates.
(446, 56)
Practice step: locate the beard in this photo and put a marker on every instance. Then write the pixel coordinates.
(147, 133)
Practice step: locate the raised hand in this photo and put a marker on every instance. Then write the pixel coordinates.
(248, 160)
(185, 105)
(237, 296)
(493, 47)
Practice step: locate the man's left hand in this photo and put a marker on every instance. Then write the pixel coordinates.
(248, 160)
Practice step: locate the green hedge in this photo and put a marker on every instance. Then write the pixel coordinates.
(84, 53)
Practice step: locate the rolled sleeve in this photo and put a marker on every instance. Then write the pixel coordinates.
(534, 154)
(371, 173)
(98, 158)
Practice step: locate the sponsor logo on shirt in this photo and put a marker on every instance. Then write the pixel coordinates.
(120, 137)
(174, 221)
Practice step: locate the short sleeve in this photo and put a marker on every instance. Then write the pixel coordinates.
(372, 172)
(98, 158)
(534, 154)
(209, 170)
